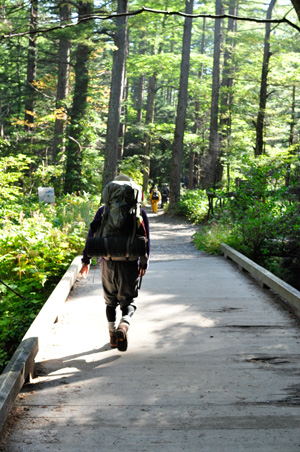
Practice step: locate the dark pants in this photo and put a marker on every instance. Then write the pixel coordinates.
(164, 199)
(119, 283)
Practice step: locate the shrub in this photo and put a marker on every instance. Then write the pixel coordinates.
(261, 221)
(37, 244)
(193, 205)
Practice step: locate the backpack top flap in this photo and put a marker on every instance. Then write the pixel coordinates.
(122, 206)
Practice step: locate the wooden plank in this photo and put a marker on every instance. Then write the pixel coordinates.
(265, 278)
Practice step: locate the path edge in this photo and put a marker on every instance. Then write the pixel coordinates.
(266, 279)
(21, 365)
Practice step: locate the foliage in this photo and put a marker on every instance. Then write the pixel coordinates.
(37, 243)
(192, 205)
(261, 220)
(210, 236)
(132, 167)
(155, 46)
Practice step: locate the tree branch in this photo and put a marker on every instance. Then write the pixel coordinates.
(153, 11)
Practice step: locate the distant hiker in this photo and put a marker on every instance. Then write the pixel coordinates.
(120, 234)
(155, 198)
(165, 192)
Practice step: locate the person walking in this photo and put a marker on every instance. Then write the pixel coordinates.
(165, 192)
(120, 276)
(155, 197)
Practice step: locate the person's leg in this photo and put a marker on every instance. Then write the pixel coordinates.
(111, 322)
(111, 316)
(127, 313)
(110, 296)
(127, 285)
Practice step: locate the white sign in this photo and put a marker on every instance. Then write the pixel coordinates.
(46, 194)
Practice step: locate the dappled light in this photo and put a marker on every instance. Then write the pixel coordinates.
(209, 351)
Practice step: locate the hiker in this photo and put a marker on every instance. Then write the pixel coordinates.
(155, 197)
(165, 191)
(120, 276)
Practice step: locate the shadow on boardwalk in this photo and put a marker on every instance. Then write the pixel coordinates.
(213, 364)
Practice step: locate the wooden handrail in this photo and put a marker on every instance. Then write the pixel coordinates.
(289, 294)
(21, 365)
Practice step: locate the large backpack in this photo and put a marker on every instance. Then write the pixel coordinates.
(122, 208)
(117, 238)
(155, 195)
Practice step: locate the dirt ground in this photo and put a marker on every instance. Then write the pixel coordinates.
(171, 237)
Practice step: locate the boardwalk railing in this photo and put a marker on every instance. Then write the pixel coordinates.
(21, 365)
(290, 295)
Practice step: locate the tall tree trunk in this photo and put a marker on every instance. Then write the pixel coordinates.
(210, 159)
(150, 115)
(31, 66)
(149, 120)
(18, 73)
(194, 157)
(227, 90)
(62, 86)
(176, 166)
(259, 147)
(74, 149)
(1, 118)
(292, 137)
(139, 98)
(139, 91)
(122, 128)
(123, 116)
(293, 118)
(191, 169)
(296, 4)
(116, 93)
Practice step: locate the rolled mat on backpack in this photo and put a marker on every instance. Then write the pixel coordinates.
(116, 247)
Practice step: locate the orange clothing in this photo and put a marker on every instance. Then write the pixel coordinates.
(155, 202)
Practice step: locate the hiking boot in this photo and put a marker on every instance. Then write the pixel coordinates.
(122, 337)
(113, 339)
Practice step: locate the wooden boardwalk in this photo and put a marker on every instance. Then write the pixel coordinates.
(213, 365)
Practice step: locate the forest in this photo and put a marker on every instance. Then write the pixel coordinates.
(202, 96)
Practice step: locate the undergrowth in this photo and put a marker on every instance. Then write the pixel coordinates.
(37, 244)
(260, 220)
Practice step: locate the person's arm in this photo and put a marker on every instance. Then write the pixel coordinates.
(144, 260)
(84, 270)
(86, 261)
